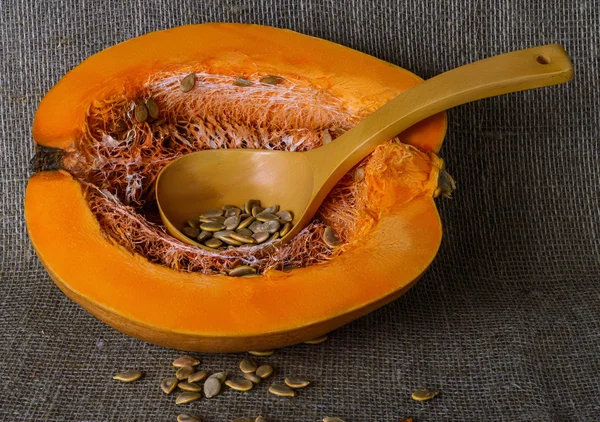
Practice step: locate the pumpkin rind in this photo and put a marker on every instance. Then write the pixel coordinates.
(217, 313)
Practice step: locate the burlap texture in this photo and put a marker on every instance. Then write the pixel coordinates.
(505, 324)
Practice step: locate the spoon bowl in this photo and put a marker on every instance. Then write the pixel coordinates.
(300, 181)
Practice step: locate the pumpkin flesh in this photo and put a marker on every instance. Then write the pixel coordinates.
(196, 311)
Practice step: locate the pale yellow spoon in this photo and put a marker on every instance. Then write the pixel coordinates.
(299, 181)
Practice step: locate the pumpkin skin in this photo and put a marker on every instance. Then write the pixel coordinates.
(193, 311)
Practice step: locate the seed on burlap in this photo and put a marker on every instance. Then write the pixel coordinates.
(264, 371)
(187, 418)
(187, 397)
(253, 378)
(197, 376)
(212, 387)
(184, 372)
(240, 385)
(296, 383)
(330, 419)
(423, 394)
(281, 390)
(169, 384)
(260, 419)
(261, 352)
(182, 361)
(317, 340)
(189, 386)
(129, 376)
(221, 376)
(247, 366)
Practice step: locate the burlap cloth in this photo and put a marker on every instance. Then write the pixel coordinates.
(505, 324)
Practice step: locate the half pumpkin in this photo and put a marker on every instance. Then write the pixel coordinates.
(93, 222)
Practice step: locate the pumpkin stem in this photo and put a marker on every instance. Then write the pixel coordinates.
(46, 159)
(446, 184)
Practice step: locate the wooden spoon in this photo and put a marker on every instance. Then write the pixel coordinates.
(299, 181)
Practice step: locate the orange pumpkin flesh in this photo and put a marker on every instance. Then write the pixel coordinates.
(201, 312)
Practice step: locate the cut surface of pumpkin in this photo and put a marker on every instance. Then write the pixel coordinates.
(117, 119)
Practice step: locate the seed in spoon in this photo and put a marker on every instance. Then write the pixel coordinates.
(296, 383)
(260, 237)
(212, 213)
(242, 238)
(192, 232)
(423, 394)
(264, 371)
(197, 376)
(194, 222)
(169, 384)
(187, 397)
(240, 385)
(182, 361)
(273, 209)
(285, 229)
(284, 216)
(203, 236)
(250, 205)
(212, 387)
(187, 83)
(232, 223)
(184, 372)
(247, 366)
(281, 390)
(266, 216)
(317, 340)
(187, 418)
(189, 386)
(129, 376)
(213, 243)
(212, 226)
(231, 241)
(246, 222)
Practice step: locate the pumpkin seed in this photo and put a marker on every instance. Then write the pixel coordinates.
(169, 384)
(253, 378)
(269, 226)
(242, 270)
(247, 366)
(192, 232)
(266, 216)
(197, 376)
(264, 371)
(359, 174)
(204, 235)
(152, 108)
(250, 205)
(219, 219)
(246, 222)
(296, 383)
(331, 238)
(129, 376)
(317, 340)
(330, 419)
(189, 386)
(212, 213)
(285, 229)
(187, 83)
(222, 233)
(220, 376)
(284, 216)
(271, 80)
(231, 241)
(213, 243)
(232, 212)
(242, 82)
(182, 361)
(140, 112)
(232, 223)
(255, 226)
(242, 238)
(212, 227)
(239, 385)
(187, 418)
(194, 222)
(273, 209)
(228, 207)
(257, 210)
(187, 397)
(184, 372)
(326, 137)
(260, 419)
(423, 394)
(246, 232)
(260, 237)
(281, 390)
(261, 352)
(212, 387)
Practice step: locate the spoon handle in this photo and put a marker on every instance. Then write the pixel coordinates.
(510, 72)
